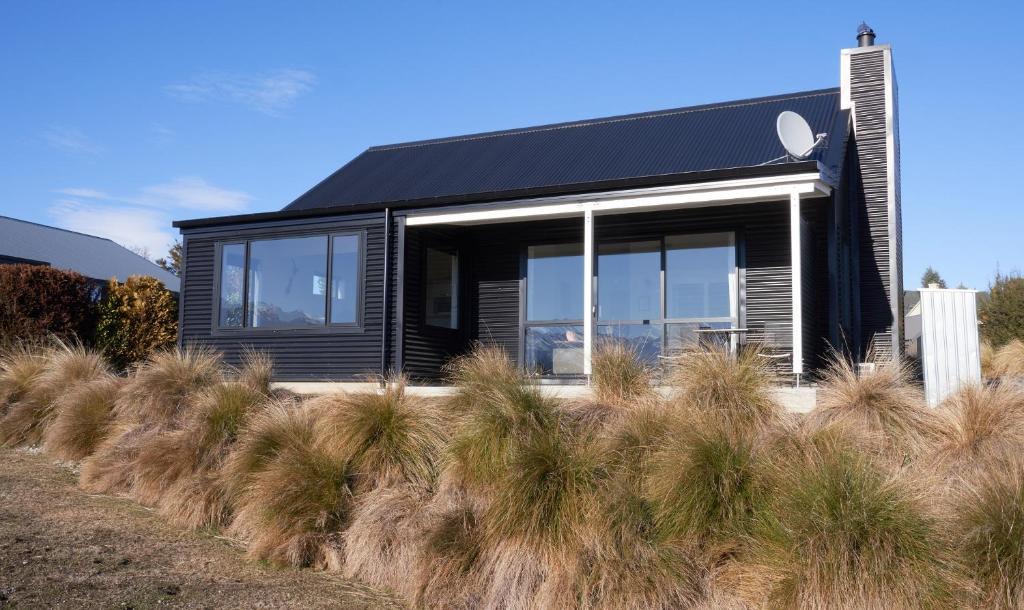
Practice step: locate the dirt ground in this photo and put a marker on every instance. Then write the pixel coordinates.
(63, 548)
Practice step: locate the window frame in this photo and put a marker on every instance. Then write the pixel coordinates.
(328, 327)
(456, 290)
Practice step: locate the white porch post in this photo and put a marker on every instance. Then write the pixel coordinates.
(798, 306)
(588, 288)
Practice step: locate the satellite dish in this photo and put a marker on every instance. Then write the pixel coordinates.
(795, 134)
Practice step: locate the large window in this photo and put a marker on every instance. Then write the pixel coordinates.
(657, 295)
(293, 282)
(554, 309)
(441, 289)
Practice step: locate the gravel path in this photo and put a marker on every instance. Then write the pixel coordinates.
(63, 548)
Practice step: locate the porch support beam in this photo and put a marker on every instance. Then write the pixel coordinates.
(797, 287)
(588, 289)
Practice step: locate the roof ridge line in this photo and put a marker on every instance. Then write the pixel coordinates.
(606, 120)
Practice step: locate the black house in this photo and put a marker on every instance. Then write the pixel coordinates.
(659, 228)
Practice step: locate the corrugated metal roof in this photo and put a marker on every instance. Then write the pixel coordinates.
(695, 139)
(93, 257)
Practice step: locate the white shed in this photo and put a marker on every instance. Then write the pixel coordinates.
(950, 356)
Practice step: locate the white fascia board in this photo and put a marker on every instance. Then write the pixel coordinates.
(683, 196)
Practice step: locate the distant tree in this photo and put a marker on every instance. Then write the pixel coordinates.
(930, 277)
(1002, 315)
(142, 251)
(173, 261)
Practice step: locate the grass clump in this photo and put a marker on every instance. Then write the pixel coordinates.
(735, 391)
(449, 559)
(388, 437)
(157, 391)
(66, 366)
(620, 376)
(84, 419)
(881, 403)
(293, 510)
(1008, 360)
(990, 516)
(19, 368)
(979, 426)
(495, 409)
(844, 532)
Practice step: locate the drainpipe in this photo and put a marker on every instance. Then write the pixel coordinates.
(385, 318)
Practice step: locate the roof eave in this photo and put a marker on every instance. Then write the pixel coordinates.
(573, 189)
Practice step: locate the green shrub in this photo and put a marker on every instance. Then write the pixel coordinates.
(37, 302)
(136, 319)
(1002, 315)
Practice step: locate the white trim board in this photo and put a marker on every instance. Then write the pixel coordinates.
(726, 192)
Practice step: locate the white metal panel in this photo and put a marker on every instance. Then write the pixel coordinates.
(950, 357)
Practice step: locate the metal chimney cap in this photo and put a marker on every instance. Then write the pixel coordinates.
(865, 35)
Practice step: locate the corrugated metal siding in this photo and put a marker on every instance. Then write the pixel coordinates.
(298, 356)
(950, 355)
(701, 138)
(877, 233)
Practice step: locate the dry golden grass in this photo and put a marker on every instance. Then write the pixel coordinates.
(387, 437)
(83, 419)
(109, 469)
(66, 366)
(735, 391)
(496, 409)
(845, 532)
(157, 392)
(979, 426)
(382, 544)
(19, 368)
(620, 377)
(987, 355)
(989, 512)
(294, 509)
(883, 404)
(1008, 360)
(447, 570)
(256, 372)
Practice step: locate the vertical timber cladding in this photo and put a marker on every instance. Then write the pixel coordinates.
(299, 355)
(869, 87)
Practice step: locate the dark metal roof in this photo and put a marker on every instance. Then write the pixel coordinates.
(94, 257)
(566, 156)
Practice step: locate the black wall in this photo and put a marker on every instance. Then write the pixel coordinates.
(299, 355)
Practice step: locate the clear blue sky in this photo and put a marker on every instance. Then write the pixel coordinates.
(118, 117)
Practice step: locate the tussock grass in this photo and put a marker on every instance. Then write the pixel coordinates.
(382, 544)
(1008, 361)
(546, 494)
(620, 376)
(295, 507)
(845, 532)
(388, 437)
(19, 367)
(256, 372)
(883, 404)
(735, 391)
(110, 469)
(706, 485)
(158, 390)
(496, 408)
(990, 514)
(83, 419)
(66, 365)
(987, 355)
(979, 427)
(448, 563)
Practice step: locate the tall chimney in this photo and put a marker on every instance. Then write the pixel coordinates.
(865, 35)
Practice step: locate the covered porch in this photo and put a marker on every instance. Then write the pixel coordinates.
(662, 269)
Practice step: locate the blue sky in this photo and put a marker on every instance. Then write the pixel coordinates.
(120, 116)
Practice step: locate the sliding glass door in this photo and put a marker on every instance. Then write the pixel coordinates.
(658, 295)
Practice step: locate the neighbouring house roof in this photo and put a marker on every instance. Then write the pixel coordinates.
(94, 257)
(668, 144)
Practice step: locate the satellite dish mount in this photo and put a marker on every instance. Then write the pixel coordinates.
(796, 136)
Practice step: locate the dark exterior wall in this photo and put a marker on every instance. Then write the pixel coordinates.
(495, 273)
(879, 227)
(299, 355)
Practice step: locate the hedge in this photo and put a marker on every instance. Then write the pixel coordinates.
(37, 302)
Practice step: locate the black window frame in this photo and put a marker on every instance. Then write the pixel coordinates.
(328, 327)
(457, 289)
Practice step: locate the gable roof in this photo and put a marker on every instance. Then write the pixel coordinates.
(567, 156)
(94, 257)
